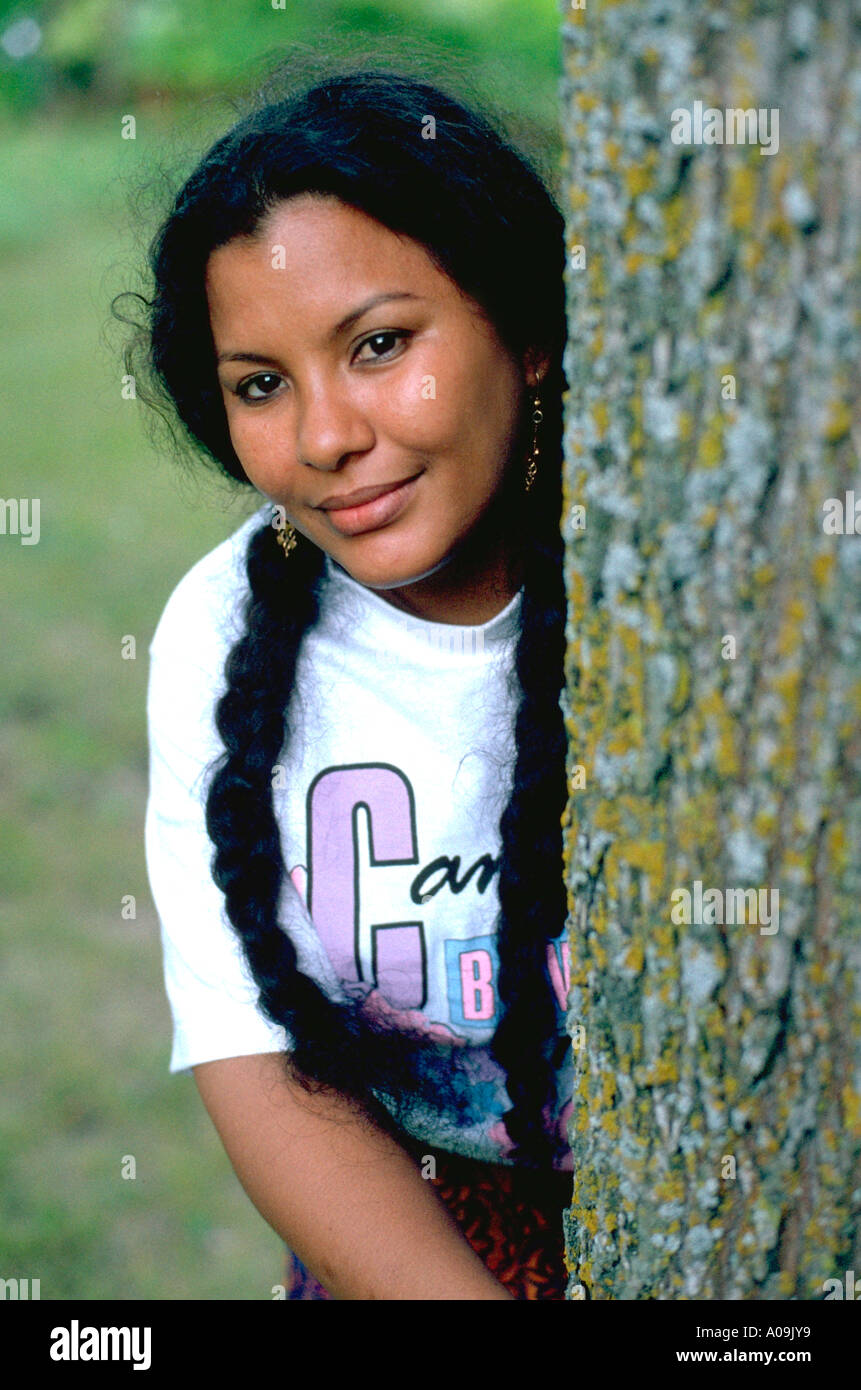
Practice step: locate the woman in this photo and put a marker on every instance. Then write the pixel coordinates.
(358, 310)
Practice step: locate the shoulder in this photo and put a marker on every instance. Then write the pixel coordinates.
(203, 612)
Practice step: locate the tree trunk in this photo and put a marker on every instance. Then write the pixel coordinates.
(714, 648)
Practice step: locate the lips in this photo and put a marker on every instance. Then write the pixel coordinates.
(361, 495)
(385, 504)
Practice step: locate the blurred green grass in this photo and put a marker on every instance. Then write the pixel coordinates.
(85, 1023)
(86, 1026)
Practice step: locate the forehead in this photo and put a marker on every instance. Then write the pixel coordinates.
(319, 255)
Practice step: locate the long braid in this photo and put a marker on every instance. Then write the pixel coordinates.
(532, 892)
(531, 887)
(248, 865)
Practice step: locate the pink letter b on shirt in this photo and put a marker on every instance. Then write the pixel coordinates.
(476, 980)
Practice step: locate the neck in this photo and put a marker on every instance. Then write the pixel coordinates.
(471, 587)
(450, 597)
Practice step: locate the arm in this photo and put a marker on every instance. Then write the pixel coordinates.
(337, 1189)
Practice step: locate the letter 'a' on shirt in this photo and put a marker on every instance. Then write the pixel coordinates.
(396, 767)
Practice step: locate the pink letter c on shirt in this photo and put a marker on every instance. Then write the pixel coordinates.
(334, 798)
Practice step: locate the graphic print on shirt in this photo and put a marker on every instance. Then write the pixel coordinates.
(398, 964)
(388, 961)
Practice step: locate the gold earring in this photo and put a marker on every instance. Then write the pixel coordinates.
(532, 466)
(286, 537)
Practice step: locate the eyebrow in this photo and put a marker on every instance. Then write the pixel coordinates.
(340, 327)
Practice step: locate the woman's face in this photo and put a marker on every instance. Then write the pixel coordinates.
(348, 362)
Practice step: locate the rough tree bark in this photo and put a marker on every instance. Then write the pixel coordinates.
(714, 662)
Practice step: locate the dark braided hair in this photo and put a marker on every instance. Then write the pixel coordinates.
(485, 217)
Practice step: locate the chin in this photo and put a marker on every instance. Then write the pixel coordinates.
(388, 582)
(394, 574)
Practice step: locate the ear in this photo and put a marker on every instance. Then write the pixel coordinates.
(535, 364)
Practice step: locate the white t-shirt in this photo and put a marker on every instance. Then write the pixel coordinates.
(388, 794)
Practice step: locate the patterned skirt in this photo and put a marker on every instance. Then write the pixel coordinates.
(511, 1217)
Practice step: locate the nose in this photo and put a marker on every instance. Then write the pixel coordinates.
(330, 426)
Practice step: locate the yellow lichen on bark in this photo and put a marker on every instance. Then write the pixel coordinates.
(713, 690)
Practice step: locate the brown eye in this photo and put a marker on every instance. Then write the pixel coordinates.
(387, 337)
(258, 387)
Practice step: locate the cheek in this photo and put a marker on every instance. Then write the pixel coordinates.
(422, 412)
(256, 444)
(441, 405)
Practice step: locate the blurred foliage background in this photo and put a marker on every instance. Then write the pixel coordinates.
(85, 1023)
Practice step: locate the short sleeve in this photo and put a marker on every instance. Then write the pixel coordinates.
(212, 996)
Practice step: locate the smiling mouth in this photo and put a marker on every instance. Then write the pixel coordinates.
(361, 495)
(380, 506)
